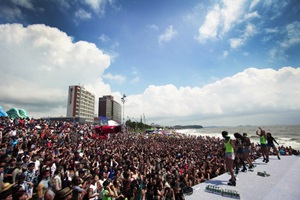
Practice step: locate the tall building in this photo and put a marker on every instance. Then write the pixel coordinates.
(81, 103)
(109, 108)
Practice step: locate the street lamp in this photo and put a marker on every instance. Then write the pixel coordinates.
(123, 101)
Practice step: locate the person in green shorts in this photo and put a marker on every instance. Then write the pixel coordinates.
(229, 156)
(263, 144)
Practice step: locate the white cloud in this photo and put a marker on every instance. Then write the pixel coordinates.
(236, 42)
(83, 15)
(94, 4)
(24, 3)
(231, 13)
(104, 38)
(168, 35)
(220, 19)
(253, 4)
(275, 7)
(38, 63)
(253, 92)
(272, 30)
(225, 54)
(10, 13)
(136, 79)
(290, 36)
(292, 31)
(209, 28)
(99, 6)
(251, 15)
(152, 27)
(115, 78)
(249, 31)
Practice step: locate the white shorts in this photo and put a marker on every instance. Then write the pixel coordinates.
(229, 155)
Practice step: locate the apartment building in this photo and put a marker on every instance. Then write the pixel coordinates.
(109, 108)
(81, 103)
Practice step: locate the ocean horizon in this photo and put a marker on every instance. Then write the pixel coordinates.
(286, 135)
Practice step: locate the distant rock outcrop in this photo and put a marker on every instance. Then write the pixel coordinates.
(187, 127)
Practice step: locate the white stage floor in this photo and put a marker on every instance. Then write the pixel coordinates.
(283, 182)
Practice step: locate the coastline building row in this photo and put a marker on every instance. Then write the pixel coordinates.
(81, 106)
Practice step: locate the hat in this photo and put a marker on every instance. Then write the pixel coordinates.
(7, 186)
(64, 192)
(244, 134)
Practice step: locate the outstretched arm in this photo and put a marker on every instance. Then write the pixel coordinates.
(275, 141)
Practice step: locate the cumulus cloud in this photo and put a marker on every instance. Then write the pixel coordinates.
(38, 63)
(253, 92)
(168, 35)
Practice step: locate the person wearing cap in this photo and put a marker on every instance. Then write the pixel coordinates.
(31, 177)
(229, 156)
(43, 184)
(64, 194)
(7, 191)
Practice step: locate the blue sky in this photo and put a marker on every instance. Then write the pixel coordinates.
(198, 62)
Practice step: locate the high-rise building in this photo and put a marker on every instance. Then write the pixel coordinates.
(81, 103)
(109, 108)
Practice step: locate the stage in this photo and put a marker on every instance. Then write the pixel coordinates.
(283, 182)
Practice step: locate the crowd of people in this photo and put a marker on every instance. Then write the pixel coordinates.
(45, 160)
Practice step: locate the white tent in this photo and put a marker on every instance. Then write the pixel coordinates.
(113, 123)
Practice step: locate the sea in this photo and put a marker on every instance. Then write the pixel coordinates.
(288, 136)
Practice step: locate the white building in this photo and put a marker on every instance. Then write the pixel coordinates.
(81, 103)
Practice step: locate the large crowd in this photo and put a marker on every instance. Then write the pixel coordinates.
(42, 159)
